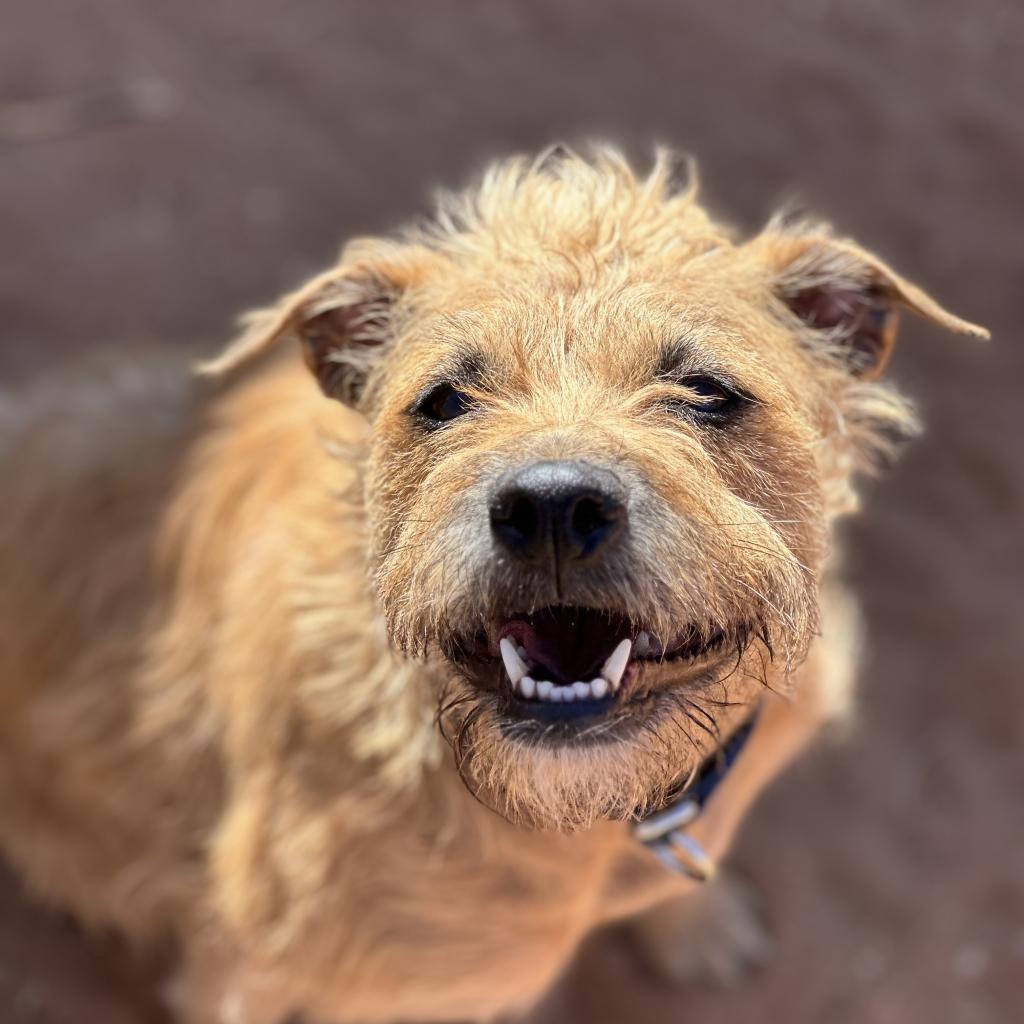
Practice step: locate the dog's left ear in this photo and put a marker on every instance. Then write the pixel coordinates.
(835, 287)
(343, 318)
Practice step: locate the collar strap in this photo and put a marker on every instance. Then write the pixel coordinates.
(663, 833)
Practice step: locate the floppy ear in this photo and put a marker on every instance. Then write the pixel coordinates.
(834, 286)
(343, 318)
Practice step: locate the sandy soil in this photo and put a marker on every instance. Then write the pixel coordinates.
(163, 166)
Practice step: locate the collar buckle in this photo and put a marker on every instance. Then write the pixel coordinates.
(663, 835)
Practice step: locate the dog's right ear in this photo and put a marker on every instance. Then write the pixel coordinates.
(343, 319)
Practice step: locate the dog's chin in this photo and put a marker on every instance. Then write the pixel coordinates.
(611, 751)
(572, 783)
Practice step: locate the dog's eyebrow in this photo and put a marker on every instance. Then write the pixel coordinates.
(677, 358)
(680, 359)
(468, 366)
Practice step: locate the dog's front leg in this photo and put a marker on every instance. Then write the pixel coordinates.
(689, 930)
(709, 934)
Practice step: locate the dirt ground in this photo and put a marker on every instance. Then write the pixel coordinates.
(165, 165)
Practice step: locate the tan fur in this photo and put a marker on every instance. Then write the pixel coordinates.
(224, 603)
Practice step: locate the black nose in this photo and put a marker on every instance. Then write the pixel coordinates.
(560, 511)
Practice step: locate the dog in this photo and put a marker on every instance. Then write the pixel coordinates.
(379, 682)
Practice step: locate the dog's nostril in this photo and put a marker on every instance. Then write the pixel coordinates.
(521, 517)
(588, 516)
(591, 522)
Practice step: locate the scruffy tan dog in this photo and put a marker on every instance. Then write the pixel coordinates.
(357, 698)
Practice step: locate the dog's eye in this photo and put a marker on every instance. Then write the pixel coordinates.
(708, 396)
(444, 402)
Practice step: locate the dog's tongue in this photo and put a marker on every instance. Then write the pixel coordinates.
(571, 643)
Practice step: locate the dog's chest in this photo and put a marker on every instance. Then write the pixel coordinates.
(496, 915)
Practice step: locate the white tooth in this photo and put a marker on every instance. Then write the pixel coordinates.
(514, 665)
(521, 651)
(642, 644)
(527, 686)
(616, 663)
(568, 693)
(557, 694)
(544, 688)
(582, 690)
(599, 687)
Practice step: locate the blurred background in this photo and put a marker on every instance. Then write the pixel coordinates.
(164, 166)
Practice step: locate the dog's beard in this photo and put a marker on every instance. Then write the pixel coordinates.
(628, 762)
(612, 770)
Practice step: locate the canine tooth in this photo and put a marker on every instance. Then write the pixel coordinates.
(527, 686)
(582, 690)
(599, 687)
(514, 665)
(616, 663)
(544, 688)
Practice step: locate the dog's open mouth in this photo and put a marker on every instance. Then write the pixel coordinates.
(564, 662)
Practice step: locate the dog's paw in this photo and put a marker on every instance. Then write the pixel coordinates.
(713, 935)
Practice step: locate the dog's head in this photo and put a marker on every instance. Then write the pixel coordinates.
(606, 445)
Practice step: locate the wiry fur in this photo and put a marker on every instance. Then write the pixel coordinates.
(228, 610)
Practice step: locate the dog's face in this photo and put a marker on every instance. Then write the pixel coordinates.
(606, 445)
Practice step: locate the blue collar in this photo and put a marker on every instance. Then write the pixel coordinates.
(663, 833)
